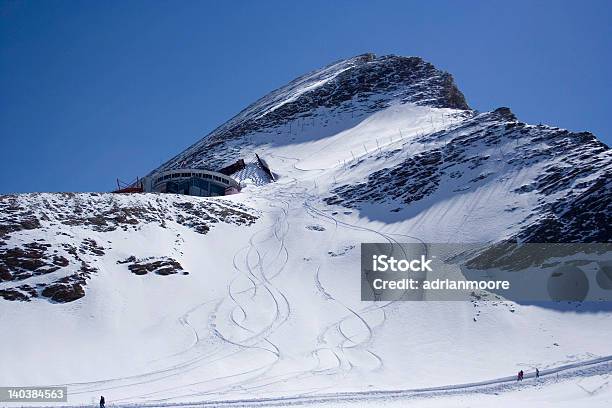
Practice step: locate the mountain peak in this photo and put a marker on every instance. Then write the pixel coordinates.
(357, 86)
(414, 78)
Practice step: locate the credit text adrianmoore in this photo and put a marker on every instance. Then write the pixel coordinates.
(385, 263)
(519, 272)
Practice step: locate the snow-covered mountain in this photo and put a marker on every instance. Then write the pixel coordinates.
(150, 298)
(459, 151)
(357, 87)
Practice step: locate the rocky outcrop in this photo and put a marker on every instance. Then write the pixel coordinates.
(157, 265)
(51, 245)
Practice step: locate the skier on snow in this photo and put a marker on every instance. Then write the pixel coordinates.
(102, 402)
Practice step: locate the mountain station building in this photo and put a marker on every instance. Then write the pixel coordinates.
(195, 182)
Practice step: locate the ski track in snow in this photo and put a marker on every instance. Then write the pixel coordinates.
(598, 366)
(260, 278)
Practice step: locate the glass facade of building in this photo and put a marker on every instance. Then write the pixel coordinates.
(194, 182)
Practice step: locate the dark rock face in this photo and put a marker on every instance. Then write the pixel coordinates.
(584, 216)
(363, 84)
(12, 294)
(160, 266)
(64, 293)
(573, 185)
(20, 263)
(415, 178)
(505, 113)
(34, 259)
(16, 218)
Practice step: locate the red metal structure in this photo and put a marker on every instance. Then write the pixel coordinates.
(133, 187)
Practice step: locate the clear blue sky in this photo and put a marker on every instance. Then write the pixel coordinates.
(94, 90)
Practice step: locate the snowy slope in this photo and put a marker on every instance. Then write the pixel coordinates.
(371, 149)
